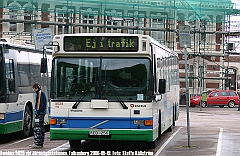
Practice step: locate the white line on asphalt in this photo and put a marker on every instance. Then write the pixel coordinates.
(16, 142)
(19, 141)
(56, 148)
(219, 142)
(165, 144)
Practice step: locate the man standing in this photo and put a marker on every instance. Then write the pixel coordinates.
(40, 111)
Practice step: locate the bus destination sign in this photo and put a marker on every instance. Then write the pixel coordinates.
(101, 43)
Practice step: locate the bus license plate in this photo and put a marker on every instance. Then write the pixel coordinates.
(98, 132)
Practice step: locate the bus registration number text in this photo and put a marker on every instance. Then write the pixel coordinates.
(98, 132)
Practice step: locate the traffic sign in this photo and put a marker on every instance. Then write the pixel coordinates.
(184, 36)
(42, 37)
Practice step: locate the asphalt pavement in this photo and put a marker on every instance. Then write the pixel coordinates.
(210, 131)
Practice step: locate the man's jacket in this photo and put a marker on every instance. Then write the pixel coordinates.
(41, 102)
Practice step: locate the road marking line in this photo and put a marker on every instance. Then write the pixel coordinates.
(55, 149)
(219, 142)
(17, 142)
(20, 141)
(165, 144)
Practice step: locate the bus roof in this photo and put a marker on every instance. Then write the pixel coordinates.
(102, 34)
(20, 47)
(165, 48)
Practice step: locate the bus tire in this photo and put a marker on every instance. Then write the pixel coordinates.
(27, 122)
(159, 125)
(169, 129)
(75, 143)
(174, 114)
(151, 144)
(2, 139)
(47, 128)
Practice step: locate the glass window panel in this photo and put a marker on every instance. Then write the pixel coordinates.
(107, 78)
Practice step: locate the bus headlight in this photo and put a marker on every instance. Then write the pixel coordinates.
(2, 116)
(138, 122)
(143, 122)
(61, 121)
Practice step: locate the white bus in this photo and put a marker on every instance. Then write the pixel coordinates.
(112, 86)
(20, 68)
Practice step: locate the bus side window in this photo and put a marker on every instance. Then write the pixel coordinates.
(23, 79)
(11, 85)
(10, 75)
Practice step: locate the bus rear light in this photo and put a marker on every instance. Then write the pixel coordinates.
(148, 122)
(2, 116)
(53, 121)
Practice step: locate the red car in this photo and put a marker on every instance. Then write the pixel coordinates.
(219, 98)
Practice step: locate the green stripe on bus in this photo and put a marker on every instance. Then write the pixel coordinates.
(123, 135)
(10, 127)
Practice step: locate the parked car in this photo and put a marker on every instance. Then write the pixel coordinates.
(219, 98)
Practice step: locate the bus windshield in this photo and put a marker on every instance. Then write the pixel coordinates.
(101, 78)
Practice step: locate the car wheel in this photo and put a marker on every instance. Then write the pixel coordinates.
(204, 103)
(231, 104)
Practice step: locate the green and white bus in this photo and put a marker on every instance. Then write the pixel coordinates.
(112, 86)
(20, 68)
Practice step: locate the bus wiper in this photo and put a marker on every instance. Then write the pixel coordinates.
(116, 95)
(82, 96)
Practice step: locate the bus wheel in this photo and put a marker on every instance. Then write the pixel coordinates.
(75, 143)
(174, 115)
(2, 139)
(151, 144)
(27, 122)
(170, 129)
(159, 125)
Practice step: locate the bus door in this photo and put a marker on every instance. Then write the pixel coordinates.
(12, 89)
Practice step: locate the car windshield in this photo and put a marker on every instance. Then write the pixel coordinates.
(101, 78)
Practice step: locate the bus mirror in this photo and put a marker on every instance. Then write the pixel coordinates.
(58, 48)
(43, 68)
(162, 86)
(11, 85)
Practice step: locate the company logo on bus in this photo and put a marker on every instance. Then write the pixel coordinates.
(78, 110)
(132, 105)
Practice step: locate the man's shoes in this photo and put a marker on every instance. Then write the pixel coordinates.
(35, 146)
